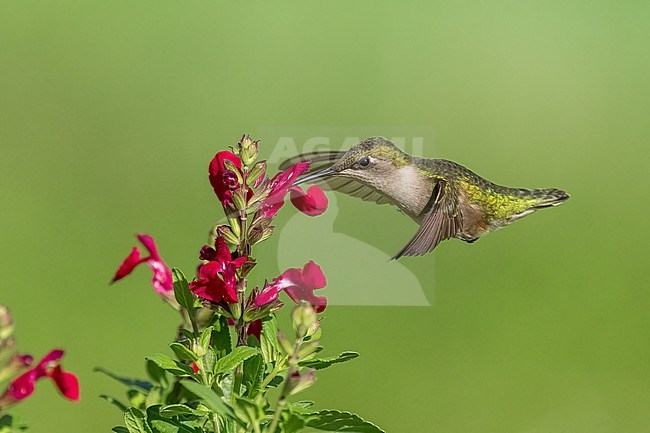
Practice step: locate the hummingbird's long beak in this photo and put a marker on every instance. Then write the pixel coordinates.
(315, 176)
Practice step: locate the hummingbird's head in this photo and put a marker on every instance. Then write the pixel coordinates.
(369, 161)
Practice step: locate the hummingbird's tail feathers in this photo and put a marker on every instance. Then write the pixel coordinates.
(549, 197)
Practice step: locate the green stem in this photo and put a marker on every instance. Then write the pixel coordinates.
(282, 402)
(273, 373)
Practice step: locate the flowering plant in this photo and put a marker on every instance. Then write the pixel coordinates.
(18, 375)
(229, 353)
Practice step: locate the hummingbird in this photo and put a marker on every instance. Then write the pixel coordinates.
(446, 199)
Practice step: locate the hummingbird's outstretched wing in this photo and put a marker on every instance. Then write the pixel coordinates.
(442, 221)
(319, 160)
(324, 159)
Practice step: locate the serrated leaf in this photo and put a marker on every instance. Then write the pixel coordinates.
(321, 363)
(168, 364)
(182, 293)
(249, 411)
(206, 336)
(183, 352)
(136, 398)
(221, 341)
(136, 421)
(269, 339)
(142, 385)
(253, 375)
(179, 409)
(234, 358)
(209, 398)
(333, 420)
(166, 425)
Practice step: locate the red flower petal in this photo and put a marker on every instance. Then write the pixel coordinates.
(217, 169)
(127, 266)
(66, 382)
(150, 245)
(280, 185)
(313, 276)
(313, 202)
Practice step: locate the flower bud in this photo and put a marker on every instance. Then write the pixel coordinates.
(226, 233)
(239, 198)
(197, 349)
(256, 174)
(249, 154)
(252, 312)
(285, 343)
(245, 141)
(304, 317)
(297, 381)
(234, 221)
(236, 310)
(6, 324)
(231, 167)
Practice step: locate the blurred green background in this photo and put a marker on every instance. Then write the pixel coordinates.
(110, 112)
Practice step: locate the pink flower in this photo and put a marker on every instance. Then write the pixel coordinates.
(312, 203)
(222, 179)
(299, 285)
(280, 185)
(216, 280)
(162, 276)
(23, 386)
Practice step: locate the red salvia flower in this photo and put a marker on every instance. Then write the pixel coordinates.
(216, 280)
(23, 386)
(299, 284)
(279, 186)
(162, 276)
(222, 179)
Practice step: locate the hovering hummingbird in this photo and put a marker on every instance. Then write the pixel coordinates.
(446, 199)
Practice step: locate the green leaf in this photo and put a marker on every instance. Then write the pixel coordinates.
(206, 335)
(253, 375)
(136, 421)
(120, 429)
(183, 352)
(221, 336)
(182, 291)
(269, 339)
(209, 398)
(170, 365)
(121, 406)
(234, 358)
(292, 423)
(156, 374)
(166, 425)
(249, 411)
(179, 410)
(333, 420)
(142, 385)
(319, 364)
(136, 398)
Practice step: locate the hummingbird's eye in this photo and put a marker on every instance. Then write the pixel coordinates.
(364, 162)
